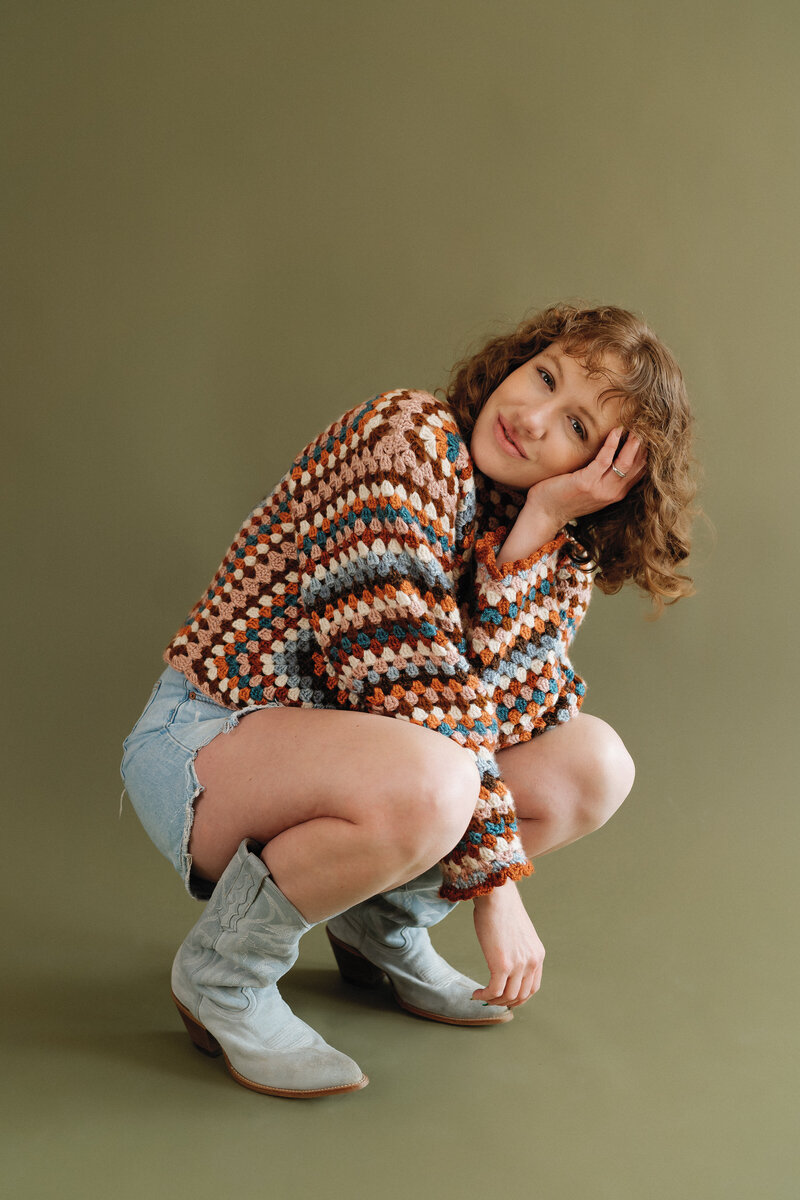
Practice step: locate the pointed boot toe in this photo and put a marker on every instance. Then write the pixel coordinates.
(301, 1076)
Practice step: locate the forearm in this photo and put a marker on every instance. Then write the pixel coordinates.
(532, 529)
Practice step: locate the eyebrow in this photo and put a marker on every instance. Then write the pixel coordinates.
(583, 412)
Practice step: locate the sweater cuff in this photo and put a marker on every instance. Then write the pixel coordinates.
(486, 552)
(482, 886)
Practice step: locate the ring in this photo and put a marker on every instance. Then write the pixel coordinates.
(621, 474)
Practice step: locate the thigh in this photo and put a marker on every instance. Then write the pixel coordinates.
(280, 767)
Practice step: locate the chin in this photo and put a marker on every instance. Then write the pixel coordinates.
(497, 467)
(503, 479)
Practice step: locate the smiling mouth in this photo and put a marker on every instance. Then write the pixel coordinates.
(505, 440)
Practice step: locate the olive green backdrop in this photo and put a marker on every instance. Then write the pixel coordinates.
(225, 224)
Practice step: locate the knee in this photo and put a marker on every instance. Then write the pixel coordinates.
(607, 773)
(440, 794)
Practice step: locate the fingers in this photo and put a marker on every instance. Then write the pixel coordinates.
(501, 988)
(632, 456)
(622, 472)
(511, 989)
(605, 455)
(531, 983)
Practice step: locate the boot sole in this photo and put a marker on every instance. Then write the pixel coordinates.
(356, 969)
(207, 1044)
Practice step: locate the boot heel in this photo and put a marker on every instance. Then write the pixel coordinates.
(353, 967)
(205, 1042)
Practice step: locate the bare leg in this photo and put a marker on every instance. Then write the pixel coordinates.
(346, 804)
(567, 782)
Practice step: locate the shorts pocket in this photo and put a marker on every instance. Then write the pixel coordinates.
(196, 720)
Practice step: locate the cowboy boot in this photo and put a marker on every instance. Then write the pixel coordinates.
(224, 984)
(388, 935)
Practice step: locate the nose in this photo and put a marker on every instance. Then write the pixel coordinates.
(533, 421)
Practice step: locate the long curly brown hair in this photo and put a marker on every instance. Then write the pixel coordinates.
(645, 536)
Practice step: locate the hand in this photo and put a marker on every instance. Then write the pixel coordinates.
(510, 945)
(594, 486)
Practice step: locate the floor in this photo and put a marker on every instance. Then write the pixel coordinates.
(651, 1064)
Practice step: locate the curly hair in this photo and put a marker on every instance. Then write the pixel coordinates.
(644, 536)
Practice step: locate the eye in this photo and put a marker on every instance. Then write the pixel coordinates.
(578, 428)
(549, 382)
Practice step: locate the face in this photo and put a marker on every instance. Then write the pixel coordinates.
(546, 418)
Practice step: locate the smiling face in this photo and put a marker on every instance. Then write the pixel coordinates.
(546, 418)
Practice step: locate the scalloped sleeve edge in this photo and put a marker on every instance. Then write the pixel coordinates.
(486, 552)
(513, 871)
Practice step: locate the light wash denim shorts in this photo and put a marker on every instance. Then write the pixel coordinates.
(158, 765)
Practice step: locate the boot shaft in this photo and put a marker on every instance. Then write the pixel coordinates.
(391, 916)
(248, 933)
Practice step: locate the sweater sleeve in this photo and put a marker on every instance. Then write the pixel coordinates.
(378, 561)
(527, 615)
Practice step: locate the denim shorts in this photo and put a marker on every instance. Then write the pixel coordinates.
(158, 765)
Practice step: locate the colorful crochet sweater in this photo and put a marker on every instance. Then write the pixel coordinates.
(367, 581)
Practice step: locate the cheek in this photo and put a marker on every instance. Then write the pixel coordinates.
(481, 442)
(572, 454)
(485, 428)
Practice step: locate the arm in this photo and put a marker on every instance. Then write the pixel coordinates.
(531, 602)
(526, 616)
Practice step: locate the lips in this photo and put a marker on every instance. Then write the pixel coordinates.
(505, 439)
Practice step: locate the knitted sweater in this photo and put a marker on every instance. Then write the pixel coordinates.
(367, 581)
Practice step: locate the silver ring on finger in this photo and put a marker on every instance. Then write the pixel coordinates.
(622, 474)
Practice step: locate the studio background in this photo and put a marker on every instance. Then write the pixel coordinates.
(224, 225)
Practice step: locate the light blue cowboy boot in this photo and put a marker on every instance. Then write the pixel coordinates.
(388, 935)
(224, 983)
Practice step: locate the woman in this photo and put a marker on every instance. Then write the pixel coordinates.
(430, 561)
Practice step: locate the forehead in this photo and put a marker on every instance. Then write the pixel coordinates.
(574, 364)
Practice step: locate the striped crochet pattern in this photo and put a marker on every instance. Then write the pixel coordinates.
(367, 581)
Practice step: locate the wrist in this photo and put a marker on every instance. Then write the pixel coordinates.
(550, 517)
(498, 895)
